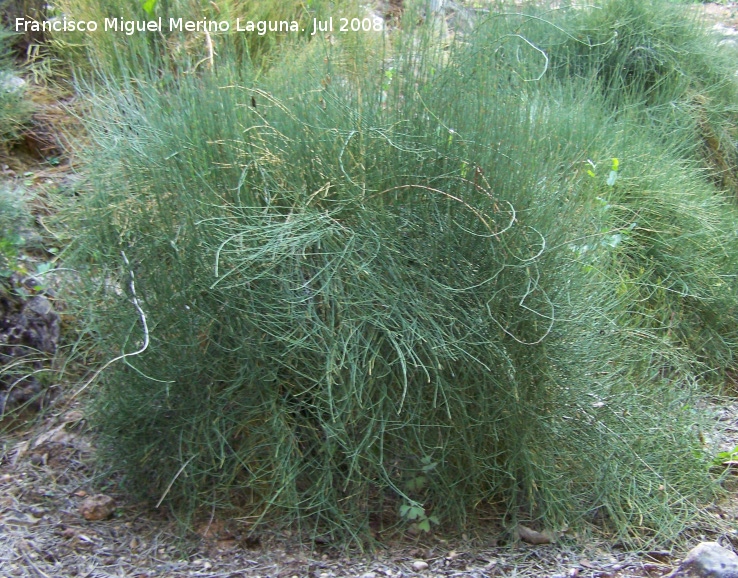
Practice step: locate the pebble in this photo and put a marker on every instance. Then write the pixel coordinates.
(97, 507)
(10, 83)
(420, 565)
(708, 560)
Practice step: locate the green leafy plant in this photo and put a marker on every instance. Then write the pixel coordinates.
(415, 513)
(721, 458)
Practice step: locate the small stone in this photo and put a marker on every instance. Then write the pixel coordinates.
(36, 511)
(39, 304)
(532, 537)
(369, 575)
(38, 460)
(659, 555)
(73, 416)
(420, 565)
(97, 507)
(708, 560)
(10, 83)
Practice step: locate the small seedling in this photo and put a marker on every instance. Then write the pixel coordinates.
(726, 458)
(613, 173)
(415, 513)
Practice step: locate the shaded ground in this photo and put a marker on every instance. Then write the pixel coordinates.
(45, 479)
(46, 475)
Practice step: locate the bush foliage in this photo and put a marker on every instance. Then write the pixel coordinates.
(661, 63)
(450, 278)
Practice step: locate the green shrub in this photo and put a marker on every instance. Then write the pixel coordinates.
(658, 61)
(365, 274)
(676, 246)
(671, 233)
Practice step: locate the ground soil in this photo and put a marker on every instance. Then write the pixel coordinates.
(48, 473)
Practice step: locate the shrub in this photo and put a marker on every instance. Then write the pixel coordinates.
(659, 61)
(676, 246)
(671, 229)
(362, 300)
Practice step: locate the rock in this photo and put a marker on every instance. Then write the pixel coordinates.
(724, 30)
(97, 507)
(708, 560)
(11, 83)
(420, 565)
(28, 326)
(533, 537)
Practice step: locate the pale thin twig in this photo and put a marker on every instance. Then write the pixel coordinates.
(174, 479)
(143, 348)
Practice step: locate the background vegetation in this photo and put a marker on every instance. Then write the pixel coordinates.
(14, 108)
(181, 52)
(15, 113)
